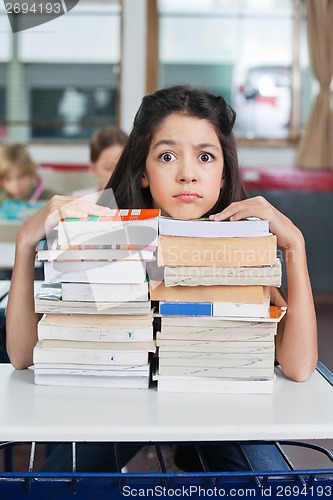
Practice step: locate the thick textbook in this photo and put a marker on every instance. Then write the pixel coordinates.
(104, 292)
(193, 276)
(48, 300)
(220, 309)
(117, 271)
(121, 227)
(276, 313)
(91, 369)
(97, 346)
(49, 250)
(233, 372)
(229, 360)
(91, 329)
(112, 355)
(265, 331)
(216, 252)
(205, 228)
(128, 382)
(256, 294)
(216, 349)
(212, 385)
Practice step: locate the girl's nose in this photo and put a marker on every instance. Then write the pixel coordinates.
(187, 172)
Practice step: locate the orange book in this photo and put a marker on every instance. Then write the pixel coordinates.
(217, 252)
(252, 294)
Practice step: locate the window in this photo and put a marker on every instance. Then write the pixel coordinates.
(242, 49)
(64, 74)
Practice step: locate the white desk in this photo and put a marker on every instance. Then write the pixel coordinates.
(40, 413)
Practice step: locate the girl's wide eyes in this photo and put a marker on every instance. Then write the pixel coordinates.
(167, 157)
(206, 157)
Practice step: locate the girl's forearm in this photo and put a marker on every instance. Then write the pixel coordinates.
(296, 346)
(21, 320)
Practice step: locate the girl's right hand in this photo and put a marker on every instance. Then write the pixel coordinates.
(59, 207)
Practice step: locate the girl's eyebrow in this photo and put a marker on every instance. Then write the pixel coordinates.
(170, 142)
(164, 142)
(207, 145)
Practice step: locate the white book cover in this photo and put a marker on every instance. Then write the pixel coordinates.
(117, 271)
(204, 228)
(104, 292)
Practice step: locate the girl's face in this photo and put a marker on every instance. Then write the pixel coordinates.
(106, 163)
(17, 183)
(184, 167)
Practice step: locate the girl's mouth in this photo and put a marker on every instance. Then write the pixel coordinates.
(187, 196)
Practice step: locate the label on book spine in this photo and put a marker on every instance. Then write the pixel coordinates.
(120, 215)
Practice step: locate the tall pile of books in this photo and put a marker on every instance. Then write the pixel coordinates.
(97, 324)
(217, 326)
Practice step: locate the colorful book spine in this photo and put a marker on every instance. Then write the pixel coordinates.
(120, 215)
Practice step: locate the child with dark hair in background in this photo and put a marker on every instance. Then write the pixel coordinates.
(106, 146)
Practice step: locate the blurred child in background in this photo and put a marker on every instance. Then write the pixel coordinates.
(18, 175)
(21, 190)
(106, 146)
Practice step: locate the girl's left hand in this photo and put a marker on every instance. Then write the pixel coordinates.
(288, 235)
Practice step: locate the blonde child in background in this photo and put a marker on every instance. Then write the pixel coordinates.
(106, 146)
(18, 176)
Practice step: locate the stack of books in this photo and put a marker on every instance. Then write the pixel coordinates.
(97, 323)
(217, 326)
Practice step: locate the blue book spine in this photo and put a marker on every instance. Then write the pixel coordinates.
(186, 308)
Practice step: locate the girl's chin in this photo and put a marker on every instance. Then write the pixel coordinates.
(183, 214)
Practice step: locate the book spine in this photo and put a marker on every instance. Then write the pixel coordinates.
(90, 357)
(95, 334)
(218, 309)
(104, 292)
(217, 252)
(224, 372)
(131, 214)
(186, 308)
(141, 232)
(208, 335)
